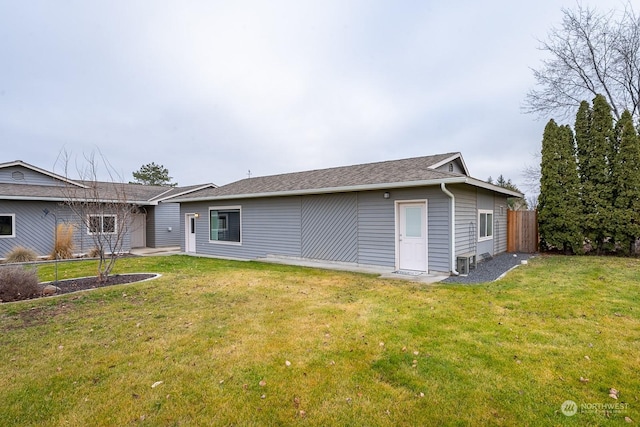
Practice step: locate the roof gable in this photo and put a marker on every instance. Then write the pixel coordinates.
(19, 172)
(455, 163)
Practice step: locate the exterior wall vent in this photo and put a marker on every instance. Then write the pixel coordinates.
(17, 175)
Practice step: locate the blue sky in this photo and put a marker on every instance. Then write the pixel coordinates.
(212, 89)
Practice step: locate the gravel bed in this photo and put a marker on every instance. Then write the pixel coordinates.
(489, 270)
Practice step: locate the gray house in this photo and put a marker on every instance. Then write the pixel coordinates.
(418, 214)
(32, 203)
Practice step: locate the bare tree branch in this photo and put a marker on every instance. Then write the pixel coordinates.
(591, 53)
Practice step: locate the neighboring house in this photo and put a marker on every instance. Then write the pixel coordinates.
(32, 202)
(415, 214)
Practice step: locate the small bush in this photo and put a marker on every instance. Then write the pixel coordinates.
(21, 254)
(18, 283)
(63, 246)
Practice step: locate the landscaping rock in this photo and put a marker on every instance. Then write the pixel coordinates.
(50, 290)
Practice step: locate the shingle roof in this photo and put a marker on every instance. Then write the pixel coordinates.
(62, 188)
(417, 169)
(133, 193)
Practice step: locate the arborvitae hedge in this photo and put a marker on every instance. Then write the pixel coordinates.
(590, 184)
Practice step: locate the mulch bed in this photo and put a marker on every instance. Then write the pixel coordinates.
(81, 284)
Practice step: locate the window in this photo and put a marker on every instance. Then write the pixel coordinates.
(7, 225)
(485, 224)
(224, 224)
(102, 224)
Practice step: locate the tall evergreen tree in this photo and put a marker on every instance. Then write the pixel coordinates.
(625, 180)
(594, 141)
(559, 203)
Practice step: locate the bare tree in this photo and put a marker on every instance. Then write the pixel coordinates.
(100, 208)
(531, 176)
(591, 53)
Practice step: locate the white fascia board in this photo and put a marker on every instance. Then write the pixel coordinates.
(497, 189)
(33, 199)
(159, 198)
(64, 200)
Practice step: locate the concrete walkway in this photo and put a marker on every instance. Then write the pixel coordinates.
(169, 250)
(384, 273)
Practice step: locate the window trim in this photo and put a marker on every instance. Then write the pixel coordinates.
(485, 212)
(13, 226)
(225, 208)
(102, 232)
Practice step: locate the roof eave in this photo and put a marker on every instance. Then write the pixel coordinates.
(495, 188)
(202, 187)
(64, 200)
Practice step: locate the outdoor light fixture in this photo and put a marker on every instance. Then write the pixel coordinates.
(386, 195)
(197, 215)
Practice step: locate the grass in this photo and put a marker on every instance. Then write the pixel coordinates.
(256, 344)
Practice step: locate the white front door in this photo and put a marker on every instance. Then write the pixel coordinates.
(190, 233)
(412, 236)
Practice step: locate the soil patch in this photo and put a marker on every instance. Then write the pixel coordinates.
(83, 283)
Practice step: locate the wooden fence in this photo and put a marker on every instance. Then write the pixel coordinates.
(522, 231)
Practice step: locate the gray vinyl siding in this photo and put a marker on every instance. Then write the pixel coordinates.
(272, 226)
(377, 226)
(466, 219)
(376, 229)
(30, 177)
(150, 226)
(32, 229)
(85, 242)
(485, 201)
(439, 233)
(457, 167)
(163, 217)
(349, 227)
(269, 226)
(329, 227)
(36, 231)
(500, 223)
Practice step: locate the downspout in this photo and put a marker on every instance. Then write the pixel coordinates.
(453, 227)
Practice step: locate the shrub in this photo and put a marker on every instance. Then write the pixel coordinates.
(63, 245)
(21, 254)
(18, 283)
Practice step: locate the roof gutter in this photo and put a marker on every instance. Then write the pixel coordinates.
(76, 199)
(443, 187)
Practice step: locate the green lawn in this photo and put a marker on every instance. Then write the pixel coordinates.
(256, 344)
